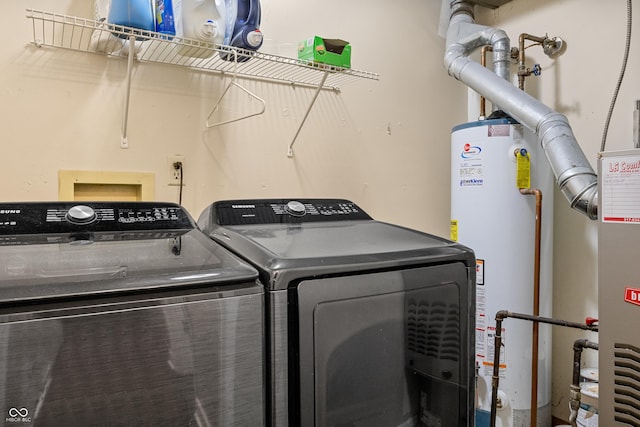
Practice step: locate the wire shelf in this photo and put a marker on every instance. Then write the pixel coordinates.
(85, 35)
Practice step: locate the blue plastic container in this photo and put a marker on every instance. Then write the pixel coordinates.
(165, 19)
(246, 27)
(132, 13)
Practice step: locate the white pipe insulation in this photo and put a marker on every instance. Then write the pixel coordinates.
(574, 175)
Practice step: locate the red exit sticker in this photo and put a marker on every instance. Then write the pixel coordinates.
(632, 295)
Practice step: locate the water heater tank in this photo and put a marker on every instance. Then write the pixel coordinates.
(491, 216)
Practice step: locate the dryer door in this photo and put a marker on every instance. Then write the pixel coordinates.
(387, 349)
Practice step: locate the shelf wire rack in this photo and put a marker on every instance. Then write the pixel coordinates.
(86, 35)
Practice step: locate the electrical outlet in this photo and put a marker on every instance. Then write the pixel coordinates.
(175, 170)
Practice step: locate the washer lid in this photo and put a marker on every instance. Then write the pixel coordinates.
(295, 247)
(346, 240)
(108, 256)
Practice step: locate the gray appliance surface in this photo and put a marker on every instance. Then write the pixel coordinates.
(332, 236)
(619, 288)
(348, 303)
(125, 314)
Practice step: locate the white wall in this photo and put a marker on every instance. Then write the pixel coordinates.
(63, 110)
(579, 84)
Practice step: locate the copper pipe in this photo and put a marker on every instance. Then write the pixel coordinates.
(536, 303)
(522, 71)
(483, 62)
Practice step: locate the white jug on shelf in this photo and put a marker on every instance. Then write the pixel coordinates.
(103, 40)
(200, 20)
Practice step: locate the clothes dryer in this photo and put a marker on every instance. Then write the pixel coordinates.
(368, 323)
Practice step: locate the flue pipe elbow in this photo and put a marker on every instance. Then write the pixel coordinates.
(574, 175)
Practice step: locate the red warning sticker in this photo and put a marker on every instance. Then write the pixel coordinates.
(632, 295)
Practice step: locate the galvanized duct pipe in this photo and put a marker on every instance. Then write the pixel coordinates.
(574, 175)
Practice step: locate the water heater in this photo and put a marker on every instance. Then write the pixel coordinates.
(490, 160)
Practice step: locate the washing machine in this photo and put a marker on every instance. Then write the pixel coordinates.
(367, 323)
(125, 314)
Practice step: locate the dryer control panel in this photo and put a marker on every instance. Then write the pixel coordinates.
(273, 211)
(70, 217)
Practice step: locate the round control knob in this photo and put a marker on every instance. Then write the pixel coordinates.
(81, 214)
(295, 208)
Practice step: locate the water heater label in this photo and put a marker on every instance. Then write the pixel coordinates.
(620, 186)
(479, 272)
(491, 347)
(523, 170)
(632, 295)
(481, 324)
(481, 313)
(498, 130)
(471, 170)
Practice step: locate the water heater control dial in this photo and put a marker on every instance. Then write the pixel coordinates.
(81, 214)
(295, 208)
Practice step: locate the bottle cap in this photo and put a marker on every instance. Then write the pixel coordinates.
(209, 29)
(254, 38)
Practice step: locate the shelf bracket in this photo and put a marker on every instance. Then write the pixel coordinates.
(247, 91)
(304, 119)
(124, 142)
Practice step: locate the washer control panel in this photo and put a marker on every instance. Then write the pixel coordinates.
(273, 211)
(69, 217)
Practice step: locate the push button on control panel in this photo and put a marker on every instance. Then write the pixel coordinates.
(81, 214)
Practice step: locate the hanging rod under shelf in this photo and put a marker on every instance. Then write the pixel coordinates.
(80, 34)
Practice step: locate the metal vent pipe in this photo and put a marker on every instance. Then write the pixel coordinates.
(573, 172)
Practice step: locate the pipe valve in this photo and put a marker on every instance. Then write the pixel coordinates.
(537, 70)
